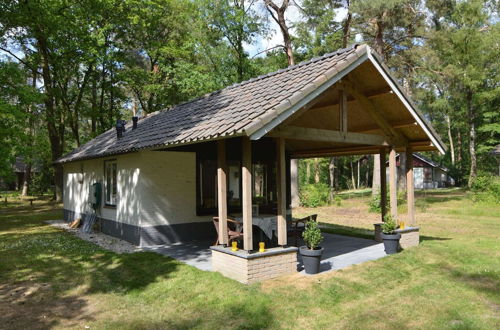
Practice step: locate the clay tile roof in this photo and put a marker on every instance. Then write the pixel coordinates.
(233, 111)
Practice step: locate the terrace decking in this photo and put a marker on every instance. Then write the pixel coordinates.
(340, 252)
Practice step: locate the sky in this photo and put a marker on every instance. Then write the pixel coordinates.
(274, 38)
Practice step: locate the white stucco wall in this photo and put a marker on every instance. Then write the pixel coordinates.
(154, 187)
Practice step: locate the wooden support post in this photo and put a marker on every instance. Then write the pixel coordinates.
(222, 191)
(246, 171)
(410, 186)
(343, 112)
(393, 193)
(281, 191)
(383, 184)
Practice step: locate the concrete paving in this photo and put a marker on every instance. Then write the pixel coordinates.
(196, 254)
(340, 252)
(344, 251)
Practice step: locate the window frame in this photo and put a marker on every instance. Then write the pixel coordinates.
(114, 183)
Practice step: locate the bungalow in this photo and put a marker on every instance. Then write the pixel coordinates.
(165, 176)
(427, 174)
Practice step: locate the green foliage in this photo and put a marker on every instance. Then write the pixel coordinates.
(389, 225)
(312, 235)
(314, 195)
(374, 204)
(486, 188)
(107, 57)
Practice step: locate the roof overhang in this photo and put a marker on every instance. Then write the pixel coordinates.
(266, 128)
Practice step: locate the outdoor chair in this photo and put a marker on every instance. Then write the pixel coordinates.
(297, 226)
(234, 229)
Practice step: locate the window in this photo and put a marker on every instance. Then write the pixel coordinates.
(207, 184)
(111, 185)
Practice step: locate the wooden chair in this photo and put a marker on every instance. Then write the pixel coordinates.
(297, 227)
(234, 231)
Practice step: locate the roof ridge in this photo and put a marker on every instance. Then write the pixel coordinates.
(267, 75)
(298, 65)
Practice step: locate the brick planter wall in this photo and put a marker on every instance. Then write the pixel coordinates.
(254, 267)
(410, 236)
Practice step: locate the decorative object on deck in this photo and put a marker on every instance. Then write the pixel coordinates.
(390, 236)
(248, 268)
(262, 247)
(312, 252)
(234, 229)
(234, 246)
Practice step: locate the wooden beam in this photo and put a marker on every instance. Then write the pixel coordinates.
(281, 191)
(372, 110)
(393, 184)
(222, 191)
(246, 176)
(343, 112)
(324, 135)
(401, 124)
(349, 99)
(333, 152)
(410, 186)
(383, 184)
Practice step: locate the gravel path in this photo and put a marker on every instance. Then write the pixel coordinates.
(105, 241)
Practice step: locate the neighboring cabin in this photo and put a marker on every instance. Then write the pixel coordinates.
(16, 181)
(427, 174)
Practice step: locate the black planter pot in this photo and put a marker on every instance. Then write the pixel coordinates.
(311, 259)
(391, 243)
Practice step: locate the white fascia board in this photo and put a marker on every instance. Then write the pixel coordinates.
(306, 100)
(395, 88)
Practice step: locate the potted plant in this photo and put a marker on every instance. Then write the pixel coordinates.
(389, 236)
(311, 253)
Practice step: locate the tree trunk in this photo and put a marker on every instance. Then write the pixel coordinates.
(55, 125)
(331, 176)
(376, 175)
(402, 172)
(352, 175)
(367, 173)
(279, 17)
(316, 170)
(308, 171)
(472, 140)
(294, 182)
(346, 26)
(359, 173)
(459, 147)
(26, 179)
(450, 139)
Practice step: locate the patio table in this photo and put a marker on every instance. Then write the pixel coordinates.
(266, 223)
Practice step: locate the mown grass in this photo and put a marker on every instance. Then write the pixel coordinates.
(51, 279)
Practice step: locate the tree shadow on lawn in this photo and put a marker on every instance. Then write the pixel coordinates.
(66, 262)
(366, 233)
(437, 200)
(487, 282)
(432, 238)
(236, 315)
(29, 305)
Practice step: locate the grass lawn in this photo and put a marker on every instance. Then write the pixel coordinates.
(51, 279)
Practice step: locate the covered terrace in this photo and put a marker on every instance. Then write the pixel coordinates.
(353, 107)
